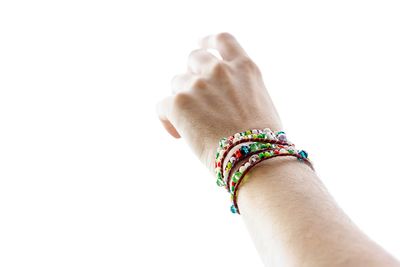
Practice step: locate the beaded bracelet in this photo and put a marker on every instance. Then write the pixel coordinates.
(245, 151)
(262, 145)
(226, 144)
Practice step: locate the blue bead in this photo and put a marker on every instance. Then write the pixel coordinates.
(233, 209)
(245, 150)
(303, 154)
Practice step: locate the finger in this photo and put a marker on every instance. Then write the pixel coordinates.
(201, 61)
(181, 82)
(164, 108)
(225, 44)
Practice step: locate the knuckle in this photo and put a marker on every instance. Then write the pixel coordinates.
(219, 69)
(182, 100)
(199, 83)
(224, 37)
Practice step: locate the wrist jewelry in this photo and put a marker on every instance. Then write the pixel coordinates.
(261, 145)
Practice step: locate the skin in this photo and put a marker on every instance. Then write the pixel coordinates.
(290, 215)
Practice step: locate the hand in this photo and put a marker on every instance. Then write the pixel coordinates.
(217, 98)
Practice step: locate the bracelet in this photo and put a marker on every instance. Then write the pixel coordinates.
(255, 135)
(260, 145)
(254, 148)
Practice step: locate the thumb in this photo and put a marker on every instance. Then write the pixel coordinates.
(163, 109)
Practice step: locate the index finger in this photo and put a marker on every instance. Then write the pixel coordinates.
(225, 44)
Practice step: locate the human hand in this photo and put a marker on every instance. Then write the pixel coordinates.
(216, 98)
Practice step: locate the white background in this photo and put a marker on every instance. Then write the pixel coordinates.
(88, 177)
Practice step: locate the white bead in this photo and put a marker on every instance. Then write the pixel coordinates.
(242, 169)
(283, 150)
(254, 131)
(237, 135)
(232, 159)
(247, 165)
(235, 139)
(253, 158)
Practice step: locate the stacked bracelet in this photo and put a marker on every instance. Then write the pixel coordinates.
(226, 144)
(250, 147)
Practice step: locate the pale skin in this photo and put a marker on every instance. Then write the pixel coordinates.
(292, 218)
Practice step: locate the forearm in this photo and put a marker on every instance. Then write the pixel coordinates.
(295, 222)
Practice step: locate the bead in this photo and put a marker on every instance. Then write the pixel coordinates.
(236, 176)
(269, 136)
(237, 135)
(261, 135)
(216, 157)
(254, 147)
(255, 131)
(246, 165)
(232, 159)
(283, 151)
(253, 158)
(245, 150)
(303, 154)
(233, 209)
(248, 132)
(242, 169)
(282, 138)
(229, 166)
(267, 154)
(261, 155)
(238, 154)
(255, 135)
(222, 142)
(220, 182)
(235, 140)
